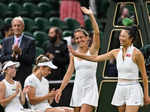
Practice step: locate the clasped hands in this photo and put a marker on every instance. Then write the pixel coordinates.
(16, 50)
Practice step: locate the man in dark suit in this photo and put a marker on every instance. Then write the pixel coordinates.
(19, 48)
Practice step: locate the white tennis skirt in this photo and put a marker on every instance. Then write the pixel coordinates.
(129, 93)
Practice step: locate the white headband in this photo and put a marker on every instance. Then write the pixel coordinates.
(10, 63)
(49, 64)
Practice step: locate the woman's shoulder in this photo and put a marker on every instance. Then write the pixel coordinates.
(137, 52)
(30, 77)
(2, 84)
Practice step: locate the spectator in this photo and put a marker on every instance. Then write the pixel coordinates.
(39, 96)
(124, 13)
(71, 9)
(21, 48)
(57, 51)
(6, 31)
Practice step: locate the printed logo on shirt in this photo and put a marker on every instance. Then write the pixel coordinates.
(128, 55)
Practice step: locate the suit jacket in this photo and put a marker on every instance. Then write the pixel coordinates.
(26, 59)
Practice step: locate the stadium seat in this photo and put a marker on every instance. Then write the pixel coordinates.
(17, 9)
(88, 25)
(34, 1)
(23, 1)
(45, 43)
(55, 7)
(39, 51)
(28, 33)
(42, 23)
(32, 9)
(72, 23)
(40, 37)
(8, 20)
(67, 33)
(54, 3)
(50, 1)
(5, 1)
(4, 11)
(45, 8)
(55, 21)
(30, 26)
(1, 23)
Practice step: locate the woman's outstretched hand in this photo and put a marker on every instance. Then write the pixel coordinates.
(86, 11)
(146, 100)
(58, 95)
(72, 51)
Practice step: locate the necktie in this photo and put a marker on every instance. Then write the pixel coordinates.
(17, 41)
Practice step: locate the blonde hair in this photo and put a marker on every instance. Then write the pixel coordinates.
(40, 59)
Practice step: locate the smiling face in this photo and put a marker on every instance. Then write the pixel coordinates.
(125, 39)
(11, 71)
(18, 27)
(81, 39)
(45, 71)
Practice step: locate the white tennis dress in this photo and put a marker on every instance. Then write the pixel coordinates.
(14, 105)
(85, 90)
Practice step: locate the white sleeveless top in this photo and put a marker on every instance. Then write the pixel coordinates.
(85, 70)
(14, 105)
(85, 90)
(127, 69)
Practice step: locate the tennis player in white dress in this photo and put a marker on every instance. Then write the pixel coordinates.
(85, 90)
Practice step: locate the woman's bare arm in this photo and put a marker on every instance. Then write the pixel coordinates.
(94, 58)
(141, 64)
(96, 40)
(5, 101)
